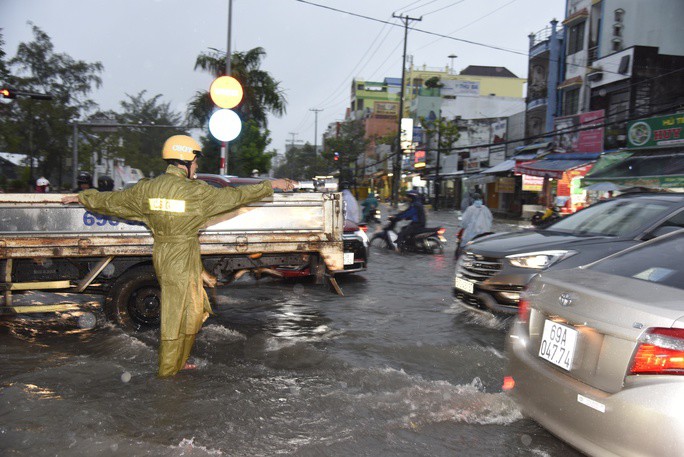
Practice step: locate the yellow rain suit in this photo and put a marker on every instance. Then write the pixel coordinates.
(175, 208)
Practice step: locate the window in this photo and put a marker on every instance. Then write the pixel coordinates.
(576, 38)
(571, 104)
(659, 262)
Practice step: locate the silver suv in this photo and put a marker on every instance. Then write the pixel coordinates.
(493, 270)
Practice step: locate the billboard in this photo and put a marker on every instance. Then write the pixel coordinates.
(575, 133)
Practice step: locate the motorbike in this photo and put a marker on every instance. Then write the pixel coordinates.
(427, 241)
(543, 218)
(372, 217)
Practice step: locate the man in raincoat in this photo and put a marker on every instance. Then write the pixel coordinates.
(477, 219)
(174, 206)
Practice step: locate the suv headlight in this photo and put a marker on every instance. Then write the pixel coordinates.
(539, 260)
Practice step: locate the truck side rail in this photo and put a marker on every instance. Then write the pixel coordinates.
(38, 225)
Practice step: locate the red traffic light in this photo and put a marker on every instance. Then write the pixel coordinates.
(7, 93)
(336, 156)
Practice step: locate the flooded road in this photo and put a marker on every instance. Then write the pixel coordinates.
(394, 368)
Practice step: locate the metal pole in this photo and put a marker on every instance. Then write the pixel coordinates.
(74, 158)
(396, 181)
(225, 146)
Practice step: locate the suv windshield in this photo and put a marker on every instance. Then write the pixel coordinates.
(612, 218)
(659, 261)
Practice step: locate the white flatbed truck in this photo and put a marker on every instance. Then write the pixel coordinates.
(47, 246)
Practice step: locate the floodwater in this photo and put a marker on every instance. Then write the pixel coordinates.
(393, 368)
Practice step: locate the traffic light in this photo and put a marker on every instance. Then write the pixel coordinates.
(11, 93)
(336, 156)
(8, 93)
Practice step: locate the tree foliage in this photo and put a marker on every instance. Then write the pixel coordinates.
(302, 163)
(441, 134)
(350, 143)
(262, 95)
(41, 128)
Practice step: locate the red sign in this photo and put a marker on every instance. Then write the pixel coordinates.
(575, 133)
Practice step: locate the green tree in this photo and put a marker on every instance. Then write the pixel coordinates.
(41, 127)
(262, 95)
(141, 146)
(441, 134)
(350, 144)
(302, 163)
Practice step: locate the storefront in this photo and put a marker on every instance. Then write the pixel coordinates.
(558, 178)
(653, 159)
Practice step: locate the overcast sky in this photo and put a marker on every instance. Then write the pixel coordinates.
(313, 51)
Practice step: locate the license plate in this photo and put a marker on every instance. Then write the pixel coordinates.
(558, 344)
(464, 285)
(348, 258)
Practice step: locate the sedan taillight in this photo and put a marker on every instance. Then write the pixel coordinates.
(660, 351)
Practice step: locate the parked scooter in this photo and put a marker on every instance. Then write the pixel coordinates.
(548, 217)
(427, 241)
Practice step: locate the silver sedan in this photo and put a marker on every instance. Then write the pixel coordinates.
(596, 355)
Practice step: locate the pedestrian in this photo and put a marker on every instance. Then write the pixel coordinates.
(466, 201)
(175, 206)
(476, 220)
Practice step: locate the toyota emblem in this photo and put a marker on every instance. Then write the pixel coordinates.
(565, 299)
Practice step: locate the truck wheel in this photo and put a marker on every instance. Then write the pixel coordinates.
(134, 302)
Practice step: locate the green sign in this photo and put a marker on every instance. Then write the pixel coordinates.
(656, 131)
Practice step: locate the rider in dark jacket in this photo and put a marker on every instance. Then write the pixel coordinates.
(415, 213)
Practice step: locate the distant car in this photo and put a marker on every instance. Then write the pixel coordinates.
(596, 355)
(354, 238)
(493, 270)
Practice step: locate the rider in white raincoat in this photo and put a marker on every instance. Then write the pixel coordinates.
(476, 219)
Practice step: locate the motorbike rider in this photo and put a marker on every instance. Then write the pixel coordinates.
(42, 185)
(370, 204)
(84, 181)
(414, 213)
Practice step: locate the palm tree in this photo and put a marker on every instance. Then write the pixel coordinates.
(262, 93)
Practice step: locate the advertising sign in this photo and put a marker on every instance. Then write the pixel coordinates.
(389, 109)
(656, 131)
(454, 87)
(505, 185)
(532, 183)
(497, 154)
(574, 133)
(406, 135)
(419, 159)
(499, 131)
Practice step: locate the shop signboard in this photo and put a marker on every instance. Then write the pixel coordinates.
(532, 183)
(575, 133)
(656, 131)
(505, 185)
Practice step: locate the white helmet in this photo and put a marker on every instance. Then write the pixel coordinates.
(42, 182)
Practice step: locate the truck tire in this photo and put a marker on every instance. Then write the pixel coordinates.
(134, 302)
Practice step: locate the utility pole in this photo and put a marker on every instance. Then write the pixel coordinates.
(316, 111)
(292, 142)
(396, 181)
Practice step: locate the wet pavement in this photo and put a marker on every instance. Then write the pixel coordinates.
(394, 368)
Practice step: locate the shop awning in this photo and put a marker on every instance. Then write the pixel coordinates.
(506, 165)
(554, 165)
(658, 168)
